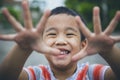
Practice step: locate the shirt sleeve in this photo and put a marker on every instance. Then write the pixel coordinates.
(34, 73)
(97, 71)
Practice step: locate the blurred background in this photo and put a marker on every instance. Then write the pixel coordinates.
(84, 7)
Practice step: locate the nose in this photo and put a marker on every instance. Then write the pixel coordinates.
(61, 40)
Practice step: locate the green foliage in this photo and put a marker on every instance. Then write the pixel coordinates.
(38, 11)
(82, 7)
(85, 8)
(17, 15)
(1, 3)
(13, 12)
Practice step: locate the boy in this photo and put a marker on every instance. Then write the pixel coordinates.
(58, 37)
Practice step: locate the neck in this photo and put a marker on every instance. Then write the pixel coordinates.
(64, 72)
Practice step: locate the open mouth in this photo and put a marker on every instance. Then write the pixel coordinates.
(64, 52)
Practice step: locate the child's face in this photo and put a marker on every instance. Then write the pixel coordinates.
(62, 32)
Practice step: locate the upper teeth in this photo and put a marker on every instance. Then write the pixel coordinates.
(64, 52)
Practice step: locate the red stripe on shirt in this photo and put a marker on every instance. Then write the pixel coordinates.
(45, 73)
(96, 72)
(82, 73)
(32, 72)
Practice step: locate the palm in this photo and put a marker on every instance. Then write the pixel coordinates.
(98, 42)
(28, 37)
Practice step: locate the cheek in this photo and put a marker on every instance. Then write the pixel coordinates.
(75, 42)
(49, 42)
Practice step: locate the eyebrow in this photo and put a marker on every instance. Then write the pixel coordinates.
(49, 29)
(69, 28)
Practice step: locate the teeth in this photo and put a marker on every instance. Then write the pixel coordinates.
(64, 52)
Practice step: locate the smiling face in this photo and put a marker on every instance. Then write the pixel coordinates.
(62, 32)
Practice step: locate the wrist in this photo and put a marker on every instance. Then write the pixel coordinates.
(108, 52)
(23, 49)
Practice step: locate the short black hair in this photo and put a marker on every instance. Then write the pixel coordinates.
(65, 10)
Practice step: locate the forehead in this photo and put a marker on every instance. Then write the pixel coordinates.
(61, 16)
(61, 20)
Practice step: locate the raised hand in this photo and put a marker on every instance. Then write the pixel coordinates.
(28, 37)
(98, 42)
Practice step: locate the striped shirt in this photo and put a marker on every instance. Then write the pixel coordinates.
(84, 72)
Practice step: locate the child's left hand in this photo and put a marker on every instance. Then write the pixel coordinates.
(98, 42)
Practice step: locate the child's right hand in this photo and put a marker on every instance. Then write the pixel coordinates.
(28, 37)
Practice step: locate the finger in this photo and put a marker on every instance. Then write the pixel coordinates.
(79, 55)
(16, 25)
(82, 27)
(116, 38)
(9, 37)
(112, 24)
(45, 49)
(43, 21)
(96, 20)
(27, 16)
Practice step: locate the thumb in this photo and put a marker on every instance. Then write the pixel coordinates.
(44, 49)
(79, 55)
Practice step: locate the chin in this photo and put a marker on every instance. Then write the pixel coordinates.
(62, 64)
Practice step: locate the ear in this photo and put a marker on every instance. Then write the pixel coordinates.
(83, 44)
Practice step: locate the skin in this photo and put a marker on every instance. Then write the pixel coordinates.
(62, 32)
(29, 38)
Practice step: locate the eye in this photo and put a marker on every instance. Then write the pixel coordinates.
(69, 34)
(51, 34)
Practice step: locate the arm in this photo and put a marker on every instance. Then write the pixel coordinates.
(28, 39)
(113, 59)
(13, 63)
(102, 43)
